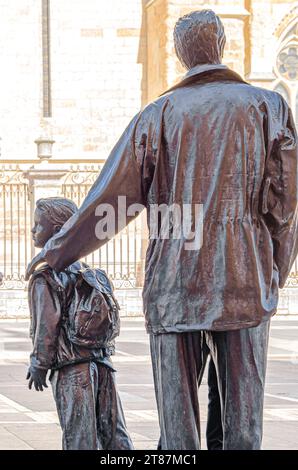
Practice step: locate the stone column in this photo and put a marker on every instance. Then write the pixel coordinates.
(45, 179)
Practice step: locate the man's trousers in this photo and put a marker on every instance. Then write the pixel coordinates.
(214, 432)
(89, 408)
(178, 361)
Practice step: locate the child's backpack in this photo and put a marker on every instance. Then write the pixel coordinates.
(92, 318)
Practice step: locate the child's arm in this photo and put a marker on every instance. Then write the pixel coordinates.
(45, 314)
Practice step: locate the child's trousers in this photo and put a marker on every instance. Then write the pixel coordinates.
(89, 408)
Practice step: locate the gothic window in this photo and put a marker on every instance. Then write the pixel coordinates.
(287, 62)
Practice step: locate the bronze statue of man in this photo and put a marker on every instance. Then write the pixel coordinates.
(214, 140)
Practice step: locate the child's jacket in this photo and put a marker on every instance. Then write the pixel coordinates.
(51, 346)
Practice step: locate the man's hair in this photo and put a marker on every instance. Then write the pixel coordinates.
(58, 209)
(199, 38)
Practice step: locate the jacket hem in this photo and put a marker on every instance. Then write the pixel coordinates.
(81, 361)
(226, 326)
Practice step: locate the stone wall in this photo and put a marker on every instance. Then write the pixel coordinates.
(21, 74)
(98, 51)
(107, 60)
(98, 79)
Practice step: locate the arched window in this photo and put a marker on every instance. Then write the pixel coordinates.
(287, 62)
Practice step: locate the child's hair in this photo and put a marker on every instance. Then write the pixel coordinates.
(58, 209)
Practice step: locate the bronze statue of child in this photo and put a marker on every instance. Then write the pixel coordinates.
(82, 378)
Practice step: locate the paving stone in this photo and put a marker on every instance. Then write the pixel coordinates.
(28, 419)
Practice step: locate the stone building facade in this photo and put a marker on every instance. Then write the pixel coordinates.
(73, 75)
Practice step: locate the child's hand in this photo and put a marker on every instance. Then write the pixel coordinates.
(37, 377)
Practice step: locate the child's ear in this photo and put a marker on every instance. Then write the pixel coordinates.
(57, 228)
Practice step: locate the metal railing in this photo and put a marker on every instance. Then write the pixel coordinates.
(15, 240)
(120, 258)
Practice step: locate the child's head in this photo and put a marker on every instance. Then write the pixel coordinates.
(50, 214)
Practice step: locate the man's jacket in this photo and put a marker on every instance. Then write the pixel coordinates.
(49, 296)
(217, 141)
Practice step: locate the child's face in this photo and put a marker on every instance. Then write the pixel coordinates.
(42, 230)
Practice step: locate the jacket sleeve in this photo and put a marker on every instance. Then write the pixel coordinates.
(45, 313)
(127, 173)
(279, 204)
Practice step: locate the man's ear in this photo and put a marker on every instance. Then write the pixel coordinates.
(57, 228)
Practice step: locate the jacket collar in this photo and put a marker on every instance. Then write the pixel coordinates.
(207, 72)
(201, 68)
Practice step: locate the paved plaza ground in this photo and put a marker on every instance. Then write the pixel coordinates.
(28, 419)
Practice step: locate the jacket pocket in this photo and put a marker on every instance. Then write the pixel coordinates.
(265, 195)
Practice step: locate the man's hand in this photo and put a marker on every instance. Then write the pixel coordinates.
(37, 377)
(33, 263)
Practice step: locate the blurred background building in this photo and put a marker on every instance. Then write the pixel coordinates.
(73, 74)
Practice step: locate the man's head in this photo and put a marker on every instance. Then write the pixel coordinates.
(50, 214)
(199, 38)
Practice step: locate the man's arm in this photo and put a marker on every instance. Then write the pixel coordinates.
(127, 172)
(280, 195)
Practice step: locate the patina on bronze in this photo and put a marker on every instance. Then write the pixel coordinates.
(82, 378)
(216, 140)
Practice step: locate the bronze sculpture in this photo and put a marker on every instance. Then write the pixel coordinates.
(81, 372)
(215, 140)
(214, 428)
